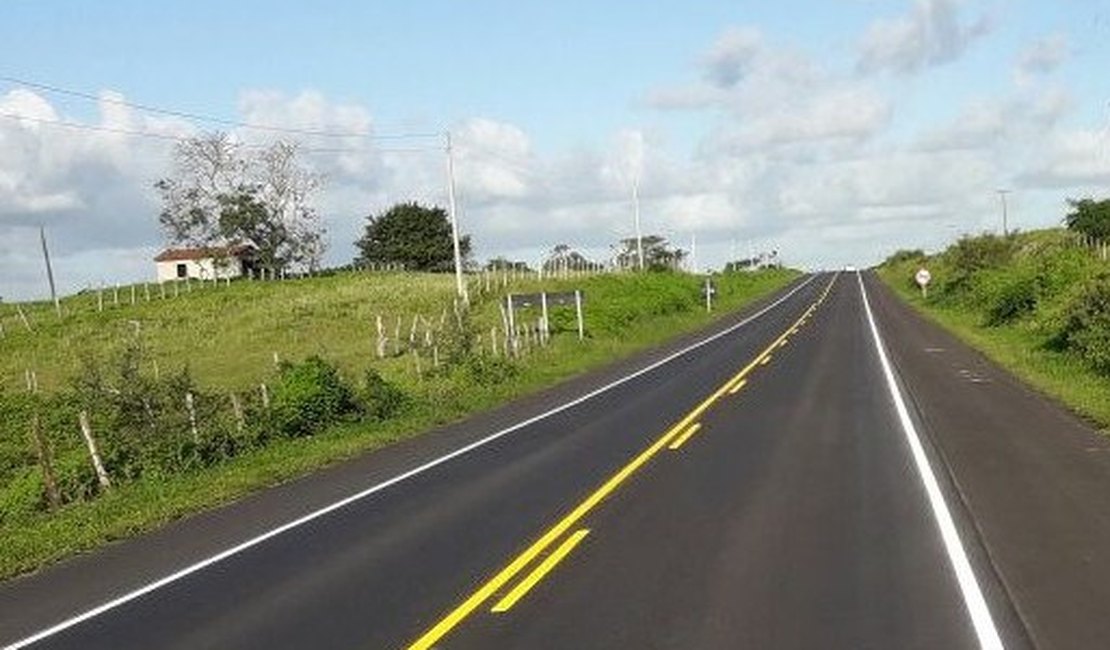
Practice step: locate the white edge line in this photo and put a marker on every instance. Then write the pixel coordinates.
(255, 541)
(977, 609)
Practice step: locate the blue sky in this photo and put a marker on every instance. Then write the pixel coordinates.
(834, 130)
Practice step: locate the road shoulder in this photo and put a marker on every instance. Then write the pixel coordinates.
(1032, 475)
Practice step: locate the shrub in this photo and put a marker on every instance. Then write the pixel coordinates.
(488, 371)
(308, 397)
(970, 256)
(1087, 326)
(1009, 297)
(904, 255)
(379, 398)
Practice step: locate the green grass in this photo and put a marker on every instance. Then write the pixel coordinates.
(228, 336)
(1023, 343)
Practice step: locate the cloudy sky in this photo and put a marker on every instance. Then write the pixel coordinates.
(832, 130)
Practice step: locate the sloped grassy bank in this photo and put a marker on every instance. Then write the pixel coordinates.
(1037, 303)
(324, 402)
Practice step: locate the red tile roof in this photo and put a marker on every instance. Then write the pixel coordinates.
(178, 254)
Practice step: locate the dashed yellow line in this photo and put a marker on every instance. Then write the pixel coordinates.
(686, 435)
(503, 577)
(737, 386)
(537, 574)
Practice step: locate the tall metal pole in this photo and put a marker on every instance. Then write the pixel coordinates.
(49, 272)
(694, 252)
(460, 285)
(1005, 211)
(636, 218)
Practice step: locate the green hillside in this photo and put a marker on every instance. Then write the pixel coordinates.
(199, 397)
(1037, 303)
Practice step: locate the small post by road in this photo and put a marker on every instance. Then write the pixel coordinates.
(545, 333)
(709, 291)
(578, 308)
(512, 325)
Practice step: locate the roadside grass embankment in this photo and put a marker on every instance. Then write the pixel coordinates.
(197, 400)
(1036, 303)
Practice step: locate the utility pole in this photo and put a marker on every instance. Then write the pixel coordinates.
(49, 272)
(460, 285)
(694, 252)
(1005, 216)
(636, 218)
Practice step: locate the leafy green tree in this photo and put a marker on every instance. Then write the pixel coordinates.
(505, 264)
(411, 234)
(245, 217)
(1089, 217)
(565, 257)
(659, 255)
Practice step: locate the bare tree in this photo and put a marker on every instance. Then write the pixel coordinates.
(217, 193)
(286, 188)
(205, 168)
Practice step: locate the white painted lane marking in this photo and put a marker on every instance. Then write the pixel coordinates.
(976, 605)
(316, 514)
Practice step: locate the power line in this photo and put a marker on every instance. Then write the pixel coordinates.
(78, 126)
(198, 117)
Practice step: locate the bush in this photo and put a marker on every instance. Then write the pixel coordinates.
(904, 255)
(308, 397)
(1087, 326)
(1006, 297)
(379, 398)
(488, 371)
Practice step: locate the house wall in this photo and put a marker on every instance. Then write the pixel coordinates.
(200, 269)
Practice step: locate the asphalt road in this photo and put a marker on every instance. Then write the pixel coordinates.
(785, 484)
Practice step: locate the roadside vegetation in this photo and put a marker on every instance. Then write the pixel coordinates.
(195, 400)
(1037, 303)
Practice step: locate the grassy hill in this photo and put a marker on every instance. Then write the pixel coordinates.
(1037, 303)
(172, 387)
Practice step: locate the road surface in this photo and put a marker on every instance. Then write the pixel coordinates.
(824, 470)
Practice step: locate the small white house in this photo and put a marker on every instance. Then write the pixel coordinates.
(216, 263)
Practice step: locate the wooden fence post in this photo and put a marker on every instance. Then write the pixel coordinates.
(23, 317)
(190, 406)
(381, 338)
(237, 411)
(94, 454)
(578, 308)
(42, 451)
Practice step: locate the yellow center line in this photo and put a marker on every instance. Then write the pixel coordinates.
(766, 358)
(681, 440)
(494, 584)
(736, 388)
(539, 572)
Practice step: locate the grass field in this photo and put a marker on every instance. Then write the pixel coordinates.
(228, 335)
(1014, 310)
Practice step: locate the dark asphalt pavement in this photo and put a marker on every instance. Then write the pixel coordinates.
(755, 492)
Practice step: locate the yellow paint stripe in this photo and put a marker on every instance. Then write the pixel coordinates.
(475, 600)
(766, 359)
(782, 343)
(681, 440)
(539, 572)
(736, 388)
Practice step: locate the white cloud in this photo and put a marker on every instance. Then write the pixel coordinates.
(931, 34)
